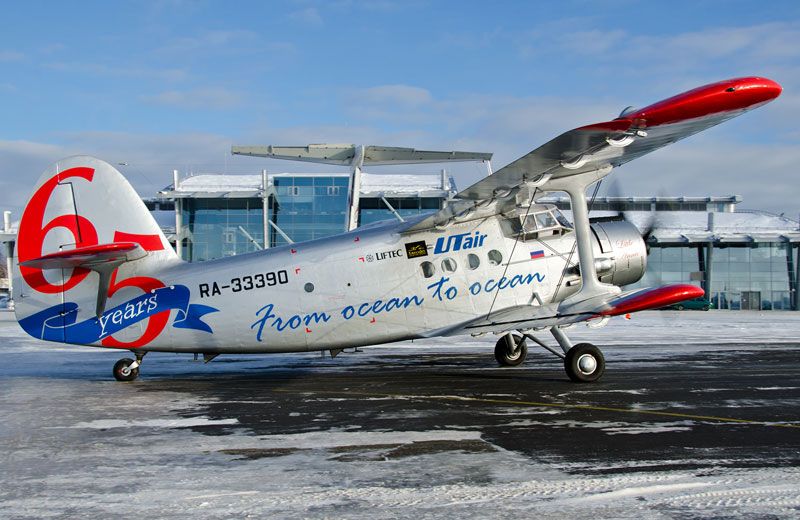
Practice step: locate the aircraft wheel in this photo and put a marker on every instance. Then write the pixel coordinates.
(584, 363)
(123, 371)
(510, 350)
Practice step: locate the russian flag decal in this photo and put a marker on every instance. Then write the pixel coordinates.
(537, 254)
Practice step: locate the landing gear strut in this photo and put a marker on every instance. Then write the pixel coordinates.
(127, 369)
(583, 363)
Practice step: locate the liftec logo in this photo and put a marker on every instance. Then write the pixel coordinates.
(459, 242)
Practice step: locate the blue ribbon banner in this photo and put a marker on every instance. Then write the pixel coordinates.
(58, 323)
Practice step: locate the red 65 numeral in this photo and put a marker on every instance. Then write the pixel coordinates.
(32, 232)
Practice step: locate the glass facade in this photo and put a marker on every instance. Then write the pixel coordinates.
(743, 277)
(372, 209)
(752, 277)
(305, 207)
(220, 227)
(308, 207)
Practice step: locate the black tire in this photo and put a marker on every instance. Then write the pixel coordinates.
(122, 372)
(508, 354)
(584, 363)
(706, 307)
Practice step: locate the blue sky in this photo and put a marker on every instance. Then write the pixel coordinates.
(165, 85)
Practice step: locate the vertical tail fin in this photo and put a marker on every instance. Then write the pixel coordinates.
(85, 235)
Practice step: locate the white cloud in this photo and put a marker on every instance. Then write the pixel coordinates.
(208, 98)
(21, 162)
(7, 55)
(758, 44)
(401, 94)
(210, 40)
(168, 74)
(764, 174)
(309, 16)
(395, 103)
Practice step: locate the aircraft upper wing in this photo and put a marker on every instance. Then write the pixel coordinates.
(613, 143)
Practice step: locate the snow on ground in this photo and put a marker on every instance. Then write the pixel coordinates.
(74, 443)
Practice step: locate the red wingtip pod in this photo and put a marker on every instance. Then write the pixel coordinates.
(732, 95)
(654, 298)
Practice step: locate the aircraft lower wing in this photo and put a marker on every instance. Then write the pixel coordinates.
(548, 315)
(603, 146)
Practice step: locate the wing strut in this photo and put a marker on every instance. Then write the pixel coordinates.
(575, 187)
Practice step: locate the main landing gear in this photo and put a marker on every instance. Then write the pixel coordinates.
(127, 369)
(510, 350)
(584, 363)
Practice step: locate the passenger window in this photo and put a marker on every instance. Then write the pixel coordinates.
(449, 265)
(428, 269)
(473, 261)
(495, 258)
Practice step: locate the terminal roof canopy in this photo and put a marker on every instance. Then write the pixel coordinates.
(252, 186)
(348, 154)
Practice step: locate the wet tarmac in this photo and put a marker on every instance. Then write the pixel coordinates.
(739, 407)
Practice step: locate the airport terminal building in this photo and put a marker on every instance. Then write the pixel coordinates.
(224, 215)
(743, 260)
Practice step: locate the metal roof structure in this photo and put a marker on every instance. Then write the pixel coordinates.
(252, 186)
(694, 227)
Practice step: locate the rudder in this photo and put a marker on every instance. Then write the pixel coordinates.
(83, 228)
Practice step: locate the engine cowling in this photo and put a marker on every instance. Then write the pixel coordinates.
(622, 258)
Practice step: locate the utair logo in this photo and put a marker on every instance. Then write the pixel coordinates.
(459, 242)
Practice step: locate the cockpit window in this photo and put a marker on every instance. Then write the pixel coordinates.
(562, 219)
(529, 224)
(545, 220)
(535, 222)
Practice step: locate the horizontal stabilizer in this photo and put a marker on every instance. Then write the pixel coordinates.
(101, 258)
(89, 257)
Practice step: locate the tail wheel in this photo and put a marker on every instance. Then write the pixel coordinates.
(584, 363)
(123, 370)
(510, 350)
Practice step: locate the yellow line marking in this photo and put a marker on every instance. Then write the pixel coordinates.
(219, 495)
(534, 403)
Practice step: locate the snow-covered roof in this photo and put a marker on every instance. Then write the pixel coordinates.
(214, 185)
(698, 226)
(219, 183)
(401, 184)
